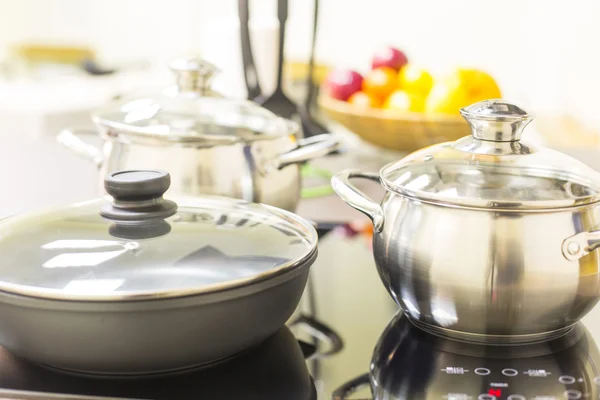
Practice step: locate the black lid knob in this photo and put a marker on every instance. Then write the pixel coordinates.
(136, 185)
(137, 196)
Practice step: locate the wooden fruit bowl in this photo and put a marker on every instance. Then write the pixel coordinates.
(393, 130)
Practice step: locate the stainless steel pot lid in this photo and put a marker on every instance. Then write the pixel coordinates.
(140, 246)
(493, 168)
(190, 112)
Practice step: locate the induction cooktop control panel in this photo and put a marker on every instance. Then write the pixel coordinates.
(514, 382)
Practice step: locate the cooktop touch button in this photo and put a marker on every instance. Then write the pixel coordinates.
(572, 394)
(482, 371)
(510, 372)
(486, 396)
(516, 397)
(566, 379)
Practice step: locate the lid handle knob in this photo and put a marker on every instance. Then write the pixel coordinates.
(137, 195)
(496, 120)
(194, 74)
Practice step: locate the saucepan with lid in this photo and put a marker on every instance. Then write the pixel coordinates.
(209, 144)
(490, 238)
(137, 283)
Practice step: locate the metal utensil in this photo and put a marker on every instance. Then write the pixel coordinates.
(465, 245)
(250, 73)
(278, 102)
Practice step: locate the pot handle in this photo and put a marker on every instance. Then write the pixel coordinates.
(322, 333)
(581, 244)
(356, 198)
(309, 148)
(346, 390)
(71, 139)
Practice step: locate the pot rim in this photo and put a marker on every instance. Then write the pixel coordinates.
(126, 133)
(490, 205)
(306, 260)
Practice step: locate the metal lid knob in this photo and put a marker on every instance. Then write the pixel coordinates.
(496, 120)
(138, 195)
(194, 74)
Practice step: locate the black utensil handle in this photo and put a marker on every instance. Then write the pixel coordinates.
(282, 15)
(282, 10)
(250, 73)
(311, 59)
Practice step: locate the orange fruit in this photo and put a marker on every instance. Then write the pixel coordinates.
(364, 100)
(401, 100)
(461, 88)
(415, 80)
(380, 82)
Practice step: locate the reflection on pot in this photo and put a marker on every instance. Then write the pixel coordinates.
(275, 369)
(144, 230)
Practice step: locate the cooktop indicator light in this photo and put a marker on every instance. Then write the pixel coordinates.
(495, 392)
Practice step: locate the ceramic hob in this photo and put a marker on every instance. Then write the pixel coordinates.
(383, 355)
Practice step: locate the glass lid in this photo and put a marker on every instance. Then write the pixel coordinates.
(138, 245)
(190, 112)
(493, 168)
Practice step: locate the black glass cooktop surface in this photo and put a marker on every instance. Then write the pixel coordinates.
(377, 354)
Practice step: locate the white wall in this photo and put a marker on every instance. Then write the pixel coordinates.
(543, 52)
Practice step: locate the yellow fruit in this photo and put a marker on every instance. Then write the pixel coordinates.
(445, 100)
(415, 80)
(460, 89)
(478, 84)
(403, 101)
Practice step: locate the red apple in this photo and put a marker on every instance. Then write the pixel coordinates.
(343, 83)
(389, 57)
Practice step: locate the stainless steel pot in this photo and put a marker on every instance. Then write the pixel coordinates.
(210, 145)
(142, 284)
(489, 238)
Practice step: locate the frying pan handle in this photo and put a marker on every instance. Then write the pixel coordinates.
(309, 148)
(342, 392)
(581, 244)
(356, 198)
(322, 333)
(71, 139)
